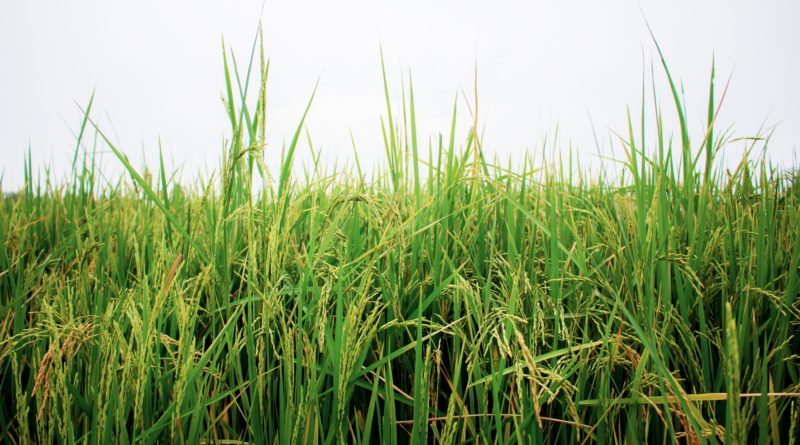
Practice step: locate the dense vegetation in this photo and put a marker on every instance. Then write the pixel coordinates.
(445, 298)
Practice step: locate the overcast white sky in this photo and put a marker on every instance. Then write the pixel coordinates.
(156, 67)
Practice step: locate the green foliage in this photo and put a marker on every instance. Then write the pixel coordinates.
(447, 300)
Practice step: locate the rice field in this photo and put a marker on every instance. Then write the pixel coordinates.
(441, 298)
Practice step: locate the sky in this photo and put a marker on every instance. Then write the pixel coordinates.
(544, 69)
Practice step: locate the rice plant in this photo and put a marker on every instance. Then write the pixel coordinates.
(442, 298)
